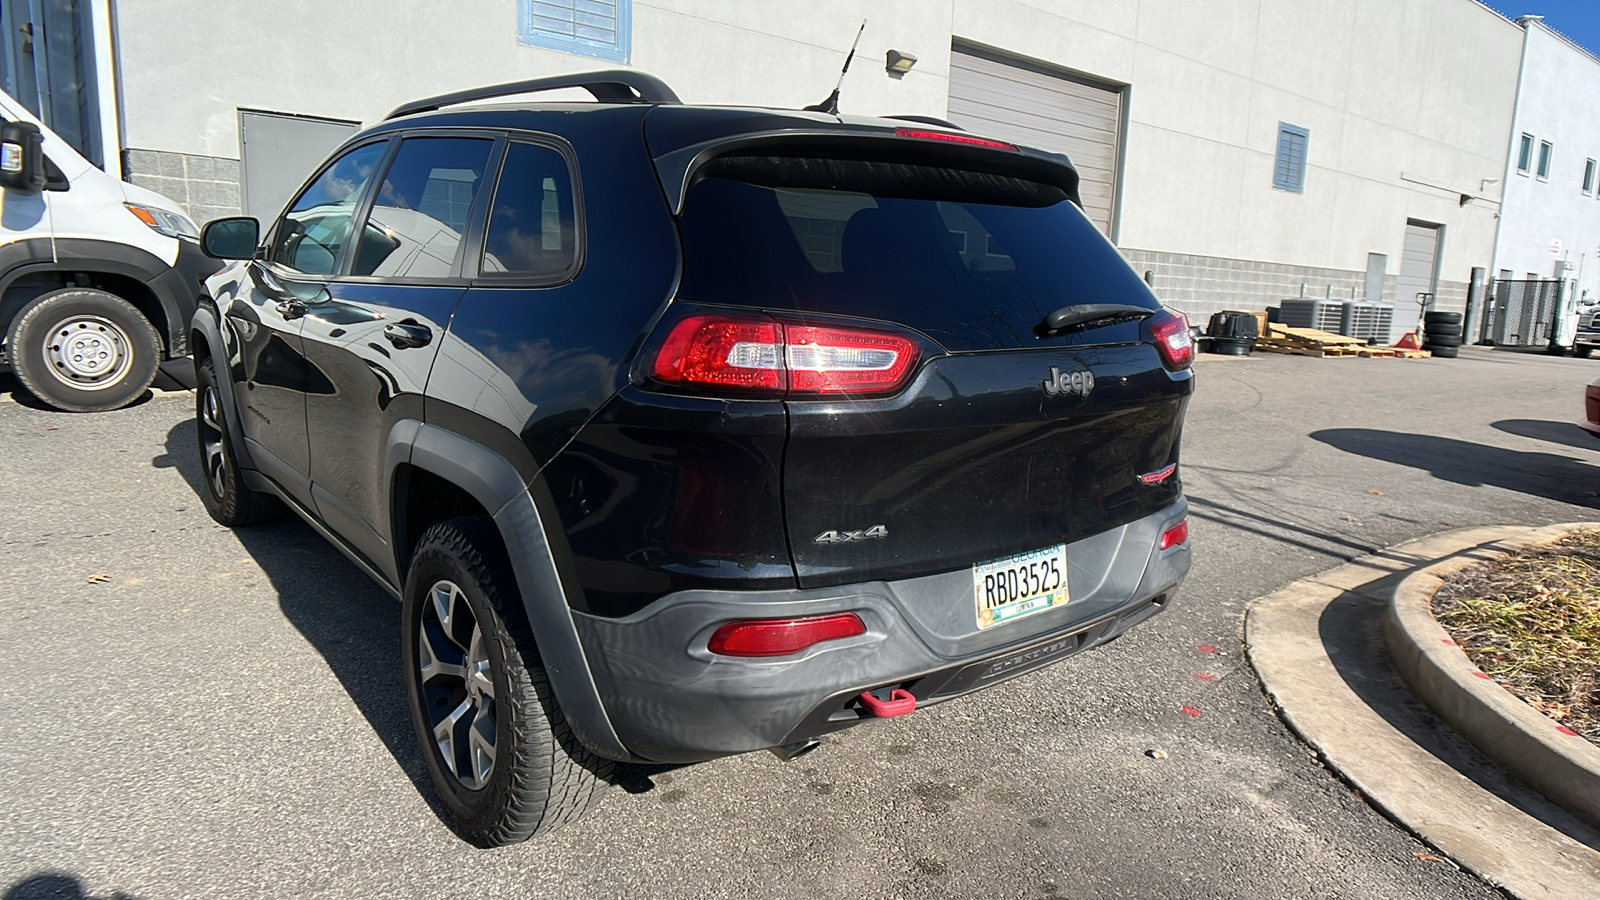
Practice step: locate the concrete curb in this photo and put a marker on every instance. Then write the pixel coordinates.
(1531, 746)
(1317, 647)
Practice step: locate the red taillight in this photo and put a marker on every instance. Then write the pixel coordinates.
(1177, 534)
(953, 138)
(831, 360)
(1171, 331)
(781, 637)
(723, 351)
(761, 354)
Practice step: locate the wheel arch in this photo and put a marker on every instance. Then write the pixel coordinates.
(205, 342)
(465, 477)
(144, 280)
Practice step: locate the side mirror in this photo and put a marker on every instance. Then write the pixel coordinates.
(235, 237)
(21, 158)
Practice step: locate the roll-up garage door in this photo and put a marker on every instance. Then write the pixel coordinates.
(1418, 266)
(1028, 105)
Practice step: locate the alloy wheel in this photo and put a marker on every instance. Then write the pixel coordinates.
(457, 682)
(213, 454)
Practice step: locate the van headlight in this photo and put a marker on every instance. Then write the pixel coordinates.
(171, 224)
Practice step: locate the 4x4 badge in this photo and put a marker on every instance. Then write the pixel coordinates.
(1080, 382)
(845, 537)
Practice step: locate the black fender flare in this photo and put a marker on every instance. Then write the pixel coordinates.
(495, 484)
(176, 287)
(204, 324)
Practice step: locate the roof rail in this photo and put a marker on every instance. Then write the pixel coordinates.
(608, 86)
(929, 120)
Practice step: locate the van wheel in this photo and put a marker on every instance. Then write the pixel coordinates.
(228, 499)
(83, 350)
(497, 747)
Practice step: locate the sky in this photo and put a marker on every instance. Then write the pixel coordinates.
(1577, 19)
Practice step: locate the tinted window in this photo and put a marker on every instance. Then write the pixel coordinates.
(313, 231)
(973, 260)
(532, 231)
(421, 208)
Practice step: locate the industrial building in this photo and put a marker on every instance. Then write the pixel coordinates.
(1239, 151)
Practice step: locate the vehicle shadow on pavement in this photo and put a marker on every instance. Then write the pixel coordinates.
(1559, 478)
(11, 387)
(54, 886)
(1351, 631)
(1553, 432)
(350, 621)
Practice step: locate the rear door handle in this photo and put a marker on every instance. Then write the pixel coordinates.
(291, 308)
(407, 334)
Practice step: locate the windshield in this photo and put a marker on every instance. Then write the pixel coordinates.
(975, 261)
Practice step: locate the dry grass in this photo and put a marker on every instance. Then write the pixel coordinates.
(1531, 621)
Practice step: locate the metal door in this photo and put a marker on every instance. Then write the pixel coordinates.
(1052, 111)
(275, 153)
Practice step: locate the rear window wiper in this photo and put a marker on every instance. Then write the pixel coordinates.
(1084, 315)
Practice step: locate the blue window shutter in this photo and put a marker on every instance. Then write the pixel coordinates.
(599, 28)
(1289, 168)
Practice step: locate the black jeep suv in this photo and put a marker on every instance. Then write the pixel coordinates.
(688, 431)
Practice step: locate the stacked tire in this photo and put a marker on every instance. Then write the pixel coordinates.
(1441, 333)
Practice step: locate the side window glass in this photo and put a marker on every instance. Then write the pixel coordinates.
(313, 231)
(532, 230)
(421, 208)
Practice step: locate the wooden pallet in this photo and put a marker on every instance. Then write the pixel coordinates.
(1311, 342)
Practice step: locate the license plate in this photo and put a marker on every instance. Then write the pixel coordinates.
(1008, 589)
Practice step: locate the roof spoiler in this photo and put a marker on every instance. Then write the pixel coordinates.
(608, 86)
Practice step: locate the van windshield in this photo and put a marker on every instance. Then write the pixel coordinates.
(973, 260)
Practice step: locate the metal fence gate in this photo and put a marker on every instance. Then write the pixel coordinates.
(1520, 313)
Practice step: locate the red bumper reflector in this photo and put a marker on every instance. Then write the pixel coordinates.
(1177, 534)
(899, 703)
(781, 637)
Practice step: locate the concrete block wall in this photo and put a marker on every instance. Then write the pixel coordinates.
(206, 187)
(1199, 286)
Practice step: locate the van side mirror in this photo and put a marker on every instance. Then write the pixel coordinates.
(21, 158)
(235, 237)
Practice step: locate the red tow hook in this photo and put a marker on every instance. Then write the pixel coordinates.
(899, 703)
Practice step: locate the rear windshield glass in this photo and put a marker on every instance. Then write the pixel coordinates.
(973, 260)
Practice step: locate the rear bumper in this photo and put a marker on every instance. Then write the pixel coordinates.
(672, 700)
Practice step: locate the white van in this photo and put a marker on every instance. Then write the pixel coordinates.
(98, 278)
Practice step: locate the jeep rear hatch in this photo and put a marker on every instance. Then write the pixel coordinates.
(1002, 436)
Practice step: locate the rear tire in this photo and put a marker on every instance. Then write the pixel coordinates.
(83, 350)
(500, 753)
(228, 499)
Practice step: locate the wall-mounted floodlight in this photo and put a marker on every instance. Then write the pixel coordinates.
(898, 63)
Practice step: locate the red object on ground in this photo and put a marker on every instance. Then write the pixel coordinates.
(1566, 731)
(1206, 648)
(1205, 676)
(899, 703)
(1189, 711)
(1591, 408)
(1409, 342)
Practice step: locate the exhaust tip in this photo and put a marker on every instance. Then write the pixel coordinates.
(787, 752)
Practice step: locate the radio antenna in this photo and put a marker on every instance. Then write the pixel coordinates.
(831, 105)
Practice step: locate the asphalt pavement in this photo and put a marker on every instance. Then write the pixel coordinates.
(195, 712)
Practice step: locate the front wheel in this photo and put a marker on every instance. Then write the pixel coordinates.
(1582, 351)
(498, 749)
(83, 350)
(227, 497)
